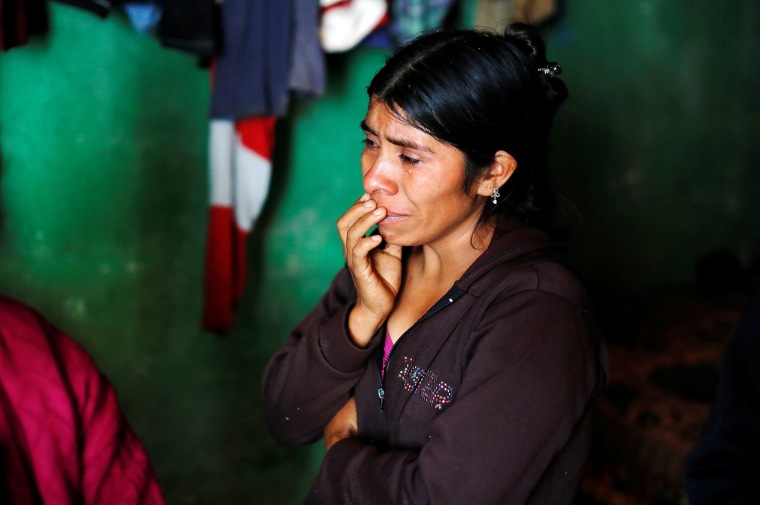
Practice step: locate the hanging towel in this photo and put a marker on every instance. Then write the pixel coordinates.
(240, 167)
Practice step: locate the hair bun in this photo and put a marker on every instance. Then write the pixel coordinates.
(527, 39)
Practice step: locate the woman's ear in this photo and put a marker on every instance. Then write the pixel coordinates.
(501, 170)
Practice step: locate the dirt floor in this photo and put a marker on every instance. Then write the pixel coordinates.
(665, 350)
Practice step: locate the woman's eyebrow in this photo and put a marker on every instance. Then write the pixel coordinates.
(364, 126)
(411, 144)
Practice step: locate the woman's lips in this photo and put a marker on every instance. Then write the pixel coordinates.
(391, 218)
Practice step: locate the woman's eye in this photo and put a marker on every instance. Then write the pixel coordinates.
(407, 160)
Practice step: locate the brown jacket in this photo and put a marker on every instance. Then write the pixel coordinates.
(486, 398)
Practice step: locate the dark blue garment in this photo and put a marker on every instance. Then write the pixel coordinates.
(307, 66)
(724, 466)
(252, 69)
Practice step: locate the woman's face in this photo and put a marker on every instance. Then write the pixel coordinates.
(418, 180)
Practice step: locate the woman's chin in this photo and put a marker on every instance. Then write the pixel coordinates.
(394, 238)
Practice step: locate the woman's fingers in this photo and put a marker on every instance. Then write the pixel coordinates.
(393, 250)
(357, 230)
(376, 272)
(360, 208)
(359, 260)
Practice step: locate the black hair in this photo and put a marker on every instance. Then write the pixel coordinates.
(482, 92)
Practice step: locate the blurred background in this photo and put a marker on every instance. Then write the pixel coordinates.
(104, 203)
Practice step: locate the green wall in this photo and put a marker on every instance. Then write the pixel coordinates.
(657, 144)
(103, 195)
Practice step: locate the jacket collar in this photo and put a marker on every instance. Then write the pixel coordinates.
(510, 240)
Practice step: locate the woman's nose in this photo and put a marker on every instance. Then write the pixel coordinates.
(379, 176)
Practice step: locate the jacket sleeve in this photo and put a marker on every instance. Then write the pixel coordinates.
(310, 379)
(529, 380)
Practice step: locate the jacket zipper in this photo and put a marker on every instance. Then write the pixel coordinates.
(445, 301)
(453, 293)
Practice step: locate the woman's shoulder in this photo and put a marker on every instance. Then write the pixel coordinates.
(541, 273)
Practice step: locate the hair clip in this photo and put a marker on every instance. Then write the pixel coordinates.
(551, 69)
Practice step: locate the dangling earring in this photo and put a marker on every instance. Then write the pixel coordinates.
(495, 195)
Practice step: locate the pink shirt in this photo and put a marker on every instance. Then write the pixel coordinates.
(387, 347)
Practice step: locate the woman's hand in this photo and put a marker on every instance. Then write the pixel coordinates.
(376, 272)
(344, 424)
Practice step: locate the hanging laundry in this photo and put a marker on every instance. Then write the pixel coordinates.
(345, 23)
(380, 38)
(20, 19)
(240, 161)
(307, 68)
(252, 69)
(271, 49)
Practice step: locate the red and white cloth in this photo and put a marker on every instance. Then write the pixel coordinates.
(240, 163)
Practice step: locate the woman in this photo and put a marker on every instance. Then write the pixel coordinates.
(453, 359)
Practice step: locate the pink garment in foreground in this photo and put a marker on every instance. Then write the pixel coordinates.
(63, 438)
